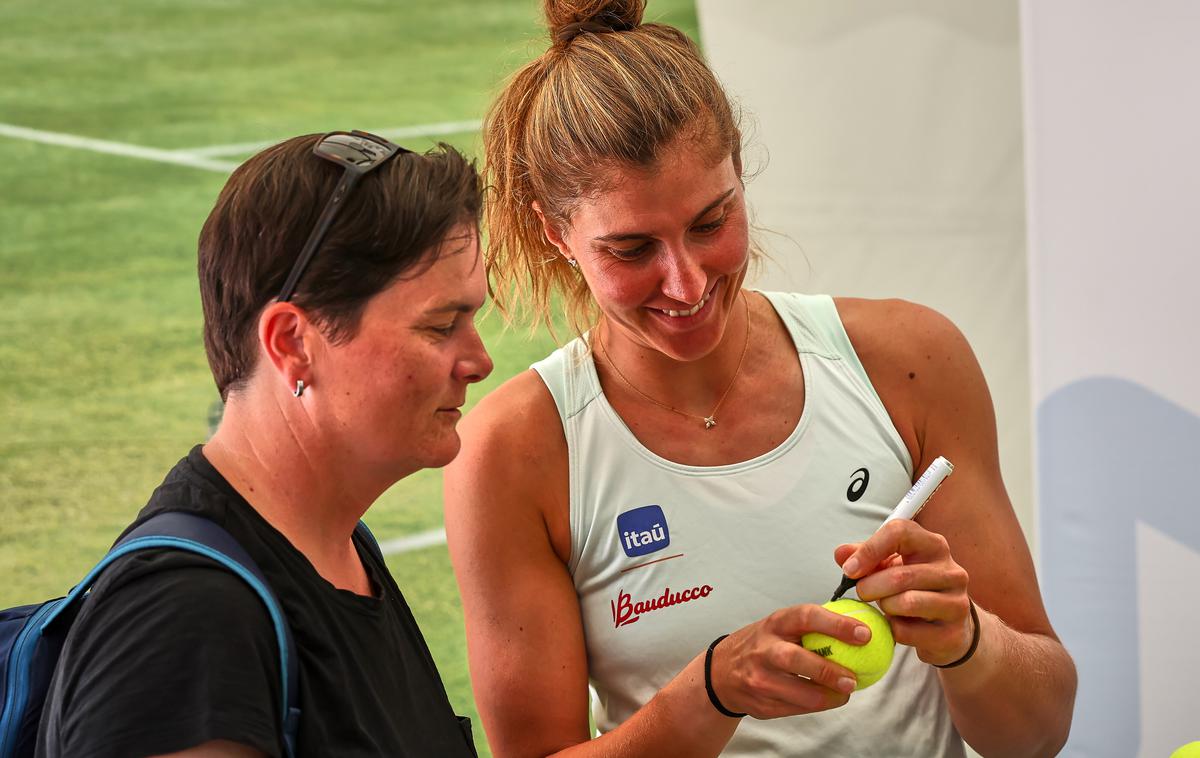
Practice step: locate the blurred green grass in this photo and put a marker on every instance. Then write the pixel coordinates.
(103, 380)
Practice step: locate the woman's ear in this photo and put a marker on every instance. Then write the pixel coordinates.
(285, 337)
(553, 235)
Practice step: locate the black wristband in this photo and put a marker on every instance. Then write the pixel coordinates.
(712, 694)
(974, 641)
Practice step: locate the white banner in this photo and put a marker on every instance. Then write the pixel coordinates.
(884, 143)
(1113, 123)
(890, 144)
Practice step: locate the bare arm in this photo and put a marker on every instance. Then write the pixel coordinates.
(506, 523)
(1016, 694)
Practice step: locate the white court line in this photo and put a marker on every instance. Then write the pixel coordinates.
(201, 157)
(116, 148)
(195, 160)
(399, 132)
(413, 542)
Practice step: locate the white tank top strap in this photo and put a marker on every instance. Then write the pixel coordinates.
(816, 328)
(568, 377)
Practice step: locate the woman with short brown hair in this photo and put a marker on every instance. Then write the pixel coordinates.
(339, 278)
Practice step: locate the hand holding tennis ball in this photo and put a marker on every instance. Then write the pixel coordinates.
(869, 662)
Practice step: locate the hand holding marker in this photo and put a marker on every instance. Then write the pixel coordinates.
(871, 661)
(910, 505)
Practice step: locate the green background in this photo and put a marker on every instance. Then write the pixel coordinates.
(103, 380)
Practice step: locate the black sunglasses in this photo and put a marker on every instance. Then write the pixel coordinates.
(359, 153)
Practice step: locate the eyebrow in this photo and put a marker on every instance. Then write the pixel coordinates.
(622, 236)
(453, 307)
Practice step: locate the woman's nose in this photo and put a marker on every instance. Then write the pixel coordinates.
(477, 364)
(683, 276)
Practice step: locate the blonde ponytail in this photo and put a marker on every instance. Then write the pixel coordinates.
(610, 93)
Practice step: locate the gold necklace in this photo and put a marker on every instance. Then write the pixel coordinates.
(711, 419)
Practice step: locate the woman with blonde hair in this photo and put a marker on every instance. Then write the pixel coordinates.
(658, 508)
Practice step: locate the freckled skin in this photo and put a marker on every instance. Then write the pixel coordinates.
(396, 331)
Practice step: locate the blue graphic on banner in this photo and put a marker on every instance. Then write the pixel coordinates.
(1111, 453)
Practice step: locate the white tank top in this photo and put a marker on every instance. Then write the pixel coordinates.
(666, 557)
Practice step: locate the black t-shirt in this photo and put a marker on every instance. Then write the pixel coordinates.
(171, 651)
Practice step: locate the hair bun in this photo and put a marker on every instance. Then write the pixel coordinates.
(567, 19)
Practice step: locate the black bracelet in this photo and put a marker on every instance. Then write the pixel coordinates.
(974, 641)
(712, 694)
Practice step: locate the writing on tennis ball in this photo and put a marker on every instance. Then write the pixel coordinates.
(869, 662)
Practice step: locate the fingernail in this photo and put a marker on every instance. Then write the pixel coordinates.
(862, 634)
(850, 566)
(846, 684)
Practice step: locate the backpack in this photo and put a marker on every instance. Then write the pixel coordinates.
(32, 636)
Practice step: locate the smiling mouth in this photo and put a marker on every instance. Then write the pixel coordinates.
(690, 311)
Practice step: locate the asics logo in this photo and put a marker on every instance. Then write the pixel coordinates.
(858, 484)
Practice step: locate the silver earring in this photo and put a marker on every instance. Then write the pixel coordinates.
(299, 388)
(573, 263)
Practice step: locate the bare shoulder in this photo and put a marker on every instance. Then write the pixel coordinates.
(511, 473)
(517, 419)
(919, 363)
(899, 332)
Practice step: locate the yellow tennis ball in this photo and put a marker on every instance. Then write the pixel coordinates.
(1190, 750)
(869, 662)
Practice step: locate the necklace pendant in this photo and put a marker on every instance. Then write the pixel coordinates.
(710, 421)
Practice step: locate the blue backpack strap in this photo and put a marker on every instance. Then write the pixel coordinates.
(196, 534)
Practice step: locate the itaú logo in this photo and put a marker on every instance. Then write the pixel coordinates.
(626, 611)
(643, 530)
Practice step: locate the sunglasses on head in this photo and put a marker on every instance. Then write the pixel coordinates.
(359, 153)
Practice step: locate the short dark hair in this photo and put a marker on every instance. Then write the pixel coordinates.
(392, 221)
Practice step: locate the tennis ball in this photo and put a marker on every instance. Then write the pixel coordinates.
(869, 662)
(1190, 750)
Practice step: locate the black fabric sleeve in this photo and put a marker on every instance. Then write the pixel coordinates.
(174, 652)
